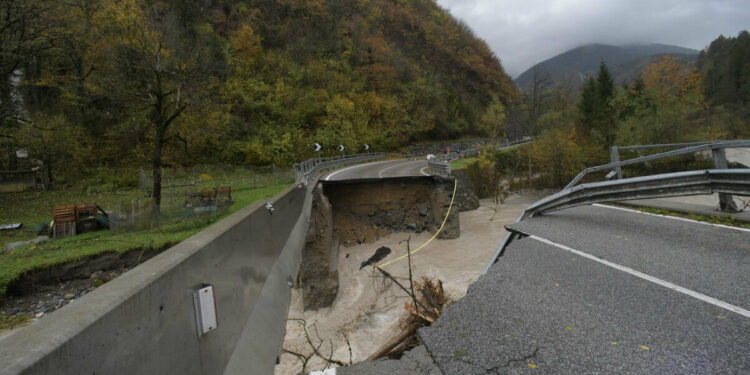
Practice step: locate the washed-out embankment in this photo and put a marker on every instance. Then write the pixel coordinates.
(144, 321)
(348, 213)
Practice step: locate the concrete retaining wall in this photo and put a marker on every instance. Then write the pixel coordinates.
(143, 322)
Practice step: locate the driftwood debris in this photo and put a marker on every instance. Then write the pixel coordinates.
(423, 312)
(393, 343)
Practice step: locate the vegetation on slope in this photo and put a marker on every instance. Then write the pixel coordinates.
(176, 82)
(671, 101)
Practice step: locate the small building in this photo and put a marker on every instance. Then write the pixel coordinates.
(78, 219)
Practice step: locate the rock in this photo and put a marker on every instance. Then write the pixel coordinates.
(10, 246)
(412, 227)
(69, 296)
(39, 315)
(424, 211)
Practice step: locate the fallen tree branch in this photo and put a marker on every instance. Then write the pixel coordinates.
(303, 358)
(316, 349)
(394, 342)
(388, 275)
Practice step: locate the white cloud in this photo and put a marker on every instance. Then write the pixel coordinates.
(525, 32)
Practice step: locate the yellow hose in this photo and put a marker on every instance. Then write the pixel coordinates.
(455, 185)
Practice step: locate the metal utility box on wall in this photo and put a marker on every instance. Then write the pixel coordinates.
(205, 309)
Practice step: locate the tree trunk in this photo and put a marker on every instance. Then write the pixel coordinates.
(156, 169)
(48, 163)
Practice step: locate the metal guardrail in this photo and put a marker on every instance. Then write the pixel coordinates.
(715, 147)
(720, 180)
(709, 181)
(439, 166)
(305, 170)
(515, 143)
(726, 181)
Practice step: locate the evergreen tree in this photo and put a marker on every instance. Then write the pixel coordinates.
(724, 64)
(597, 115)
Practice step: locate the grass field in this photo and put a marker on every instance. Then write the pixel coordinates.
(462, 163)
(31, 208)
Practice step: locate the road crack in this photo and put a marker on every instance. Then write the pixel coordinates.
(496, 369)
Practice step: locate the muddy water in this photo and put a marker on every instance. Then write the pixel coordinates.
(367, 313)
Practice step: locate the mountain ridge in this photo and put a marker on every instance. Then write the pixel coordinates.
(574, 65)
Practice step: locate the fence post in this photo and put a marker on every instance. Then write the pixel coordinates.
(726, 202)
(614, 156)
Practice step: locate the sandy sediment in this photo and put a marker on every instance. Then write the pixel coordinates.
(368, 313)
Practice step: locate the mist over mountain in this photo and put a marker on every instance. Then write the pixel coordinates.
(625, 62)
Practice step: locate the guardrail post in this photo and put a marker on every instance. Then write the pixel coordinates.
(614, 156)
(726, 202)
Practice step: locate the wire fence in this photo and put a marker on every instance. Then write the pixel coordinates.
(190, 194)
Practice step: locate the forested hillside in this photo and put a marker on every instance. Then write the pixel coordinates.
(671, 100)
(725, 66)
(176, 82)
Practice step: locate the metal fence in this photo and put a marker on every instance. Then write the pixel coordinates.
(720, 180)
(185, 195)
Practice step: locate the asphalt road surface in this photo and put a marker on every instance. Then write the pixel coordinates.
(380, 169)
(603, 290)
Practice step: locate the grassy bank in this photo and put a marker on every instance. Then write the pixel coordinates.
(462, 163)
(34, 207)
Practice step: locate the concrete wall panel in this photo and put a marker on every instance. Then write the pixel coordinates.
(143, 322)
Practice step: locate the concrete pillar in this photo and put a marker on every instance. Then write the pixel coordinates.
(726, 202)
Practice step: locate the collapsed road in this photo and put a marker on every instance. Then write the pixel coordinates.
(596, 289)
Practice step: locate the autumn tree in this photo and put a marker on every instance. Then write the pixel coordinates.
(664, 105)
(492, 121)
(158, 66)
(535, 97)
(21, 38)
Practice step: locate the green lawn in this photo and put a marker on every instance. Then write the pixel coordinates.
(462, 163)
(34, 207)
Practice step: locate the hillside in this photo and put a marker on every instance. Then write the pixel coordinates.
(242, 81)
(625, 62)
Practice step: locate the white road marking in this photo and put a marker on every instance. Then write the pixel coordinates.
(328, 177)
(672, 217)
(423, 172)
(380, 173)
(650, 278)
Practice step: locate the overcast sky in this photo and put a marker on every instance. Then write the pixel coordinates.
(525, 32)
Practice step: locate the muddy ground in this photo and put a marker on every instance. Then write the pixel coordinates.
(43, 291)
(352, 213)
(367, 312)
